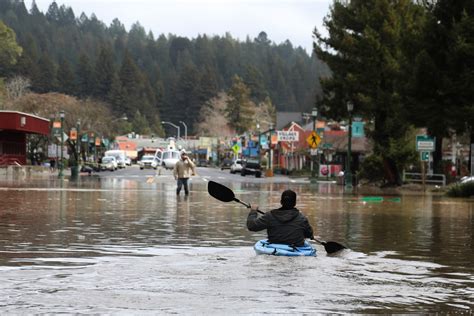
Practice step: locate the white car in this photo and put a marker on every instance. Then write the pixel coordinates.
(467, 179)
(236, 166)
(108, 163)
(128, 161)
(147, 162)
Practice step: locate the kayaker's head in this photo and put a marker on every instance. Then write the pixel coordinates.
(288, 199)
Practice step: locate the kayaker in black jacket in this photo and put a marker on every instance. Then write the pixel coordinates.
(285, 225)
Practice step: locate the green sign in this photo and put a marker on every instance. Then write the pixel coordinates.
(358, 129)
(56, 132)
(236, 148)
(425, 143)
(425, 156)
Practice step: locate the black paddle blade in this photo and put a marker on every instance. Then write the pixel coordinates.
(332, 246)
(220, 192)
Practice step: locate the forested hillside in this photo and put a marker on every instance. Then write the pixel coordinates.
(157, 77)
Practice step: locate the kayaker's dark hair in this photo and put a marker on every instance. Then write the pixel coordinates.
(288, 199)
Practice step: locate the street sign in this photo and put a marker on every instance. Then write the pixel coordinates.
(56, 128)
(65, 137)
(236, 148)
(425, 156)
(288, 136)
(313, 140)
(73, 134)
(313, 152)
(425, 143)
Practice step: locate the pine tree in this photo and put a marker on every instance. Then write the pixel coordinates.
(240, 109)
(66, 79)
(86, 79)
(104, 73)
(366, 53)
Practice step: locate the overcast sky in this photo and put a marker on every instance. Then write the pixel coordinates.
(280, 19)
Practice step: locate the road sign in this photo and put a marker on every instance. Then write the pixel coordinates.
(313, 140)
(236, 148)
(288, 136)
(425, 143)
(425, 156)
(65, 137)
(73, 134)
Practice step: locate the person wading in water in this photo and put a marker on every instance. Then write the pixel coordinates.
(182, 171)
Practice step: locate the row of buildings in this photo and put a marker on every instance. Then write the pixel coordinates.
(286, 147)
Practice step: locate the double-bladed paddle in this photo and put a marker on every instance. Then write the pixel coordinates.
(224, 194)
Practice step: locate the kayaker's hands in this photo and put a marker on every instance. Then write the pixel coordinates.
(254, 208)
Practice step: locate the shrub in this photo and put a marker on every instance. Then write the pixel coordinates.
(461, 190)
(372, 168)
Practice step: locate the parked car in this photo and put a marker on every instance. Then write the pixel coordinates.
(203, 163)
(148, 162)
(119, 157)
(226, 164)
(251, 167)
(236, 166)
(466, 179)
(128, 161)
(108, 163)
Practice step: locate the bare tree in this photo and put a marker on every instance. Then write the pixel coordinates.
(17, 87)
(213, 121)
(265, 114)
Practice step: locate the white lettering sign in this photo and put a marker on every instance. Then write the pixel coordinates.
(288, 136)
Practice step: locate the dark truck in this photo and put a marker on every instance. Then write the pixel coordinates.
(251, 167)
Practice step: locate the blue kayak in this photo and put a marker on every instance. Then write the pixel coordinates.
(264, 247)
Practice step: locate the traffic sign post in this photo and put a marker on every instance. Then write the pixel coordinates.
(425, 145)
(313, 140)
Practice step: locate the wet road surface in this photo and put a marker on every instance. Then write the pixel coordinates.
(106, 245)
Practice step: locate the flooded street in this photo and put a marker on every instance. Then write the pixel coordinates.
(111, 245)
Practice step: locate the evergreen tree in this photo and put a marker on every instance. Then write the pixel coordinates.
(366, 55)
(104, 73)
(86, 79)
(46, 80)
(240, 109)
(66, 79)
(442, 79)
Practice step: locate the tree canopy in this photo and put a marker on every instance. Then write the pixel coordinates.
(165, 77)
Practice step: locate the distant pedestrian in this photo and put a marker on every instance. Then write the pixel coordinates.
(52, 164)
(182, 171)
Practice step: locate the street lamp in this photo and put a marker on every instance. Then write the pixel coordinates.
(174, 125)
(350, 107)
(61, 164)
(78, 141)
(314, 115)
(259, 146)
(185, 130)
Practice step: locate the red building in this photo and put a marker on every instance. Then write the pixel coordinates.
(13, 129)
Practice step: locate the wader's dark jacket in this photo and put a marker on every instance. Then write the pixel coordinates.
(283, 226)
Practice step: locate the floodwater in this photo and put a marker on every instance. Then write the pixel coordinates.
(116, 246)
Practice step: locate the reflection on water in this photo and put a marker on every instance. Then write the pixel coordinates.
(127, 246)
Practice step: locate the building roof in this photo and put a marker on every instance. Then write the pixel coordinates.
(284, 118)
(338, 140)
(24, 122)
